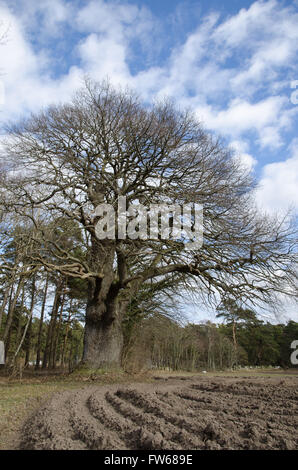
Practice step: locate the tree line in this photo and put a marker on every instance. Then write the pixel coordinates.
(42, 326)
(163, 343)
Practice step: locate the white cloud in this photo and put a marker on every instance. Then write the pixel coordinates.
(47, 17)
(19, 65)
(104, 57)
(241, 149)
(266, 117)
(278, 186)
(28, 77)
(122, 22)
(106, 18)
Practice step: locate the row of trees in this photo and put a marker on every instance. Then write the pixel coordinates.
(42, 325)
(58, 166)
(163, 343)
(40, 314)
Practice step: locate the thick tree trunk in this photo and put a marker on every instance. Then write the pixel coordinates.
(12, 305)
(38, 348)
(56, 334)
(65, 337)
(20, 317)
(29, 328)
(103, 345)
(10, 315)
(49, 339)
(103, 340)
(235, 343)
(7, 294)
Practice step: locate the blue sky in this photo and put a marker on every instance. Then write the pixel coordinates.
(233, 62)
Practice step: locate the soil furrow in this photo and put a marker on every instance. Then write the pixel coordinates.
(198, 413)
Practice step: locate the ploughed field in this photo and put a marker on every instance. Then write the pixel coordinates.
(173, 413)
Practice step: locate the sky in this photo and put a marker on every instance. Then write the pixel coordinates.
(233, 62)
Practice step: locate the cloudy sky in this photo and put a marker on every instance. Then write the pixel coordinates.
(234, 62)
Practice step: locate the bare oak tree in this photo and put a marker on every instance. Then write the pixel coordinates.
(68, 159)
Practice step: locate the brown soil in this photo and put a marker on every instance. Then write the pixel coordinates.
(174, 413)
